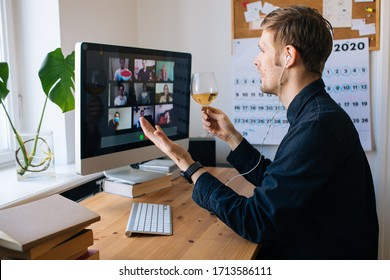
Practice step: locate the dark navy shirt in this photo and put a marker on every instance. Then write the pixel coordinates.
(315, 200)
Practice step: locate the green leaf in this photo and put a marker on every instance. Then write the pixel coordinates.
(57, 79)
(4, 73)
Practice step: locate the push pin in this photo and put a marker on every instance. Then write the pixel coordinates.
(370, 10)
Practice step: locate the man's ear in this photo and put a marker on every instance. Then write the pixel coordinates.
(291, 53)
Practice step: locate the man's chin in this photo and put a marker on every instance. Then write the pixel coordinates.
(267, 91)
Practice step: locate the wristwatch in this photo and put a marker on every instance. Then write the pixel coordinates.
(190, 171)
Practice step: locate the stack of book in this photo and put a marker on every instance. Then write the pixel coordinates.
(129, 182)
(161, 165)
(52, 228)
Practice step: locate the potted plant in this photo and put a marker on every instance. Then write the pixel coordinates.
(57, 78)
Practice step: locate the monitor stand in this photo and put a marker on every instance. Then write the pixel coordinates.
(132, 176)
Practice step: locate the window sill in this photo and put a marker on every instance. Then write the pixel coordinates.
(14, 192)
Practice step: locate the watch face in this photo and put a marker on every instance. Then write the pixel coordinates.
(190, 171)
(185, 175)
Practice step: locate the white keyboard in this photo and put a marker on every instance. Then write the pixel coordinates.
(149, 218)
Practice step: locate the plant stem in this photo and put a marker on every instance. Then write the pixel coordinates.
(17, 135)
(37, 133)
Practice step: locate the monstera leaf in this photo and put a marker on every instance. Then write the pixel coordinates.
(57, 79)
(4, 72)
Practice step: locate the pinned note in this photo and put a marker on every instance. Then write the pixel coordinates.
(338, 13)
(268, 8)
(367, 29)
(255, 6)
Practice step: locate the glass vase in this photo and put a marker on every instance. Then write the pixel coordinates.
(35, 158)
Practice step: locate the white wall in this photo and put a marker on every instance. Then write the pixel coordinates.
(201, 27)
(43, 25)
(94, 21)
(100, 21)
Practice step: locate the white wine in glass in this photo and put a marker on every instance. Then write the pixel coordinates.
(204, 89)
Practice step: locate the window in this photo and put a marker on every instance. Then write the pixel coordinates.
(6, 138)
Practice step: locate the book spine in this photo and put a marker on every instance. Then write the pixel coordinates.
(155, 168)
(118, 188)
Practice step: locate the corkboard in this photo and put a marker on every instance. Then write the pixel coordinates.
(241, 28)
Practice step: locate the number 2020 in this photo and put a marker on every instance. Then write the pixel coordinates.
(349, 47)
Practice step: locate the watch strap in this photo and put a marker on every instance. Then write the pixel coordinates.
(190, 171)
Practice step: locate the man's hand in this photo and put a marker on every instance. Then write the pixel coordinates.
(217, 123)
(179, 155)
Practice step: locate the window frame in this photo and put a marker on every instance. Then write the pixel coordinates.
(7, 43)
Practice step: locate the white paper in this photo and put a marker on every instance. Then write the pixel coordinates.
(338, 12)
(358, 23)
(347, 79)
(346, 76)
(256, 25)
(255, 6)
(367, 29)
(268, 8)
(253, 109)
(251, 16)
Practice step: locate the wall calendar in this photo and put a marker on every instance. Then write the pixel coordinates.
(261, 118)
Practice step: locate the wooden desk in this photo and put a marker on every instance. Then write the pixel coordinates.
(197, 234)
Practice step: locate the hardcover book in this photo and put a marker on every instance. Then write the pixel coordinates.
(28, 225)
(134, 190)
(162, 165)
(38, 250)
(70, 248)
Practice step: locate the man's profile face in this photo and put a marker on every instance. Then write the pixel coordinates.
(268, 63)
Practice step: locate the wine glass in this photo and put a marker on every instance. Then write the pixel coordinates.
(204, 89)
(96, 81)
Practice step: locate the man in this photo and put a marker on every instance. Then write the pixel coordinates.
(144, 72)
(118, 72)
(316, 199)
(121, 99)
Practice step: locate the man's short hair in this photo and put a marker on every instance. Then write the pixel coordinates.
(306, 30)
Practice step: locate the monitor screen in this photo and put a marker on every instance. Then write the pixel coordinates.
(114, 87)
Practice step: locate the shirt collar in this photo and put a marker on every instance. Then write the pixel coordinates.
(302, 97)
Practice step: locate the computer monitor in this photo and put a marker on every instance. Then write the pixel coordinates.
(114, 87)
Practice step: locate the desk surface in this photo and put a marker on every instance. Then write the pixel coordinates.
(197, 234)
